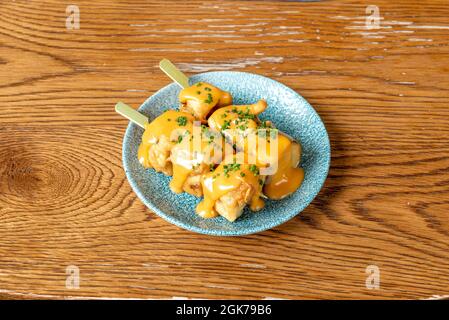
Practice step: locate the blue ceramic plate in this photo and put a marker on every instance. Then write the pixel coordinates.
(291, 114)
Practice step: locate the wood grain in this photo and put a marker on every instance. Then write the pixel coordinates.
(64, 199)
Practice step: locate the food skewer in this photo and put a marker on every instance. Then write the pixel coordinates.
(243, 184)
(183, 81)
(167, 147)
(132, 115)
(174, 73)
(201, 98)
(221, 117)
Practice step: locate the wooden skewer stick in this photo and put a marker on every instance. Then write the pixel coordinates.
(174, 73)
(131, 114)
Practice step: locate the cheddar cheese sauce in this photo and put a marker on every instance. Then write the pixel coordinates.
(193, 157)
(201, 98)
(161, 134)
(287, 178)
(168, 146)
(237, 117)
(245, 183)
(229, 188)
(286, 157)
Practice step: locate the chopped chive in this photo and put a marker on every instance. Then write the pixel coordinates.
(182, 121)
(230, 167)
(226, 125)
(253, 168)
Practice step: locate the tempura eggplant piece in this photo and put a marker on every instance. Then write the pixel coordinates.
(283, 174)
(238, 117)
(191, 161)
(160, 136)
(229, 189)
(167, 146)
(236, 122)
(202, 98)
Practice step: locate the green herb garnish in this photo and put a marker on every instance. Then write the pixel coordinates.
(210, 99)
(226, 125)
(230, 167)
(182, 121)
(253, 168)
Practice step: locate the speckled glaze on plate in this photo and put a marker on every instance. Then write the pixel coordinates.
(291, 114)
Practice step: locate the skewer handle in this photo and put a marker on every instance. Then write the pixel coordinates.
(174, 73)
(131, 114)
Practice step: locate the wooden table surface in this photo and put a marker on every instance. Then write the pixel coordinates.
(382, 94)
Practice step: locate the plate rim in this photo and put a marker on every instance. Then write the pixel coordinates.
(200, 230)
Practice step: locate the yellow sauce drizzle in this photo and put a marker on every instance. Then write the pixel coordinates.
(184, 159)
(188, 159)
(223, 181)
(236, 117)
(201, 98)
(288, 177)
(163, 126)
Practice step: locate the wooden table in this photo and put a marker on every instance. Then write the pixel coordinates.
(65, 201)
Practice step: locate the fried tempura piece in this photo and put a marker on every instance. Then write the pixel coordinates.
(159, 138)
(229, 188)
(159, 156)
(202, 98)
(241, 117)
(231, 204)
(192, 184)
